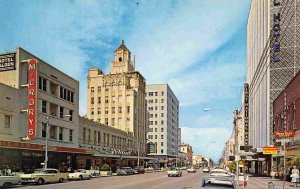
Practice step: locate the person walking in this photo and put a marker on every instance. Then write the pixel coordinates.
(295, 175)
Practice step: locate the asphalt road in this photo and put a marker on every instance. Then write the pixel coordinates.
(157, 180)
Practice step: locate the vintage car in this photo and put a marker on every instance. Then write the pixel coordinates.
(94, 173)
(191, 170)
(79, 174)
(8, 181)
(139, 170)
(174, 172)
(125, 171)
(41, 176)
(218, 181)
(205, 170)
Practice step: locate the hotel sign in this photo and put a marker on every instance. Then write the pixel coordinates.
(284, 134)
(246, 114)
(276, 32)
(7, 62)
(32, 98)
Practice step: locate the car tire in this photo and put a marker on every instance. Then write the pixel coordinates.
(7, 184)
(61, 180)
(40, 181)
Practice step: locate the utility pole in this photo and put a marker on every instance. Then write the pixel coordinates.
(46, 146)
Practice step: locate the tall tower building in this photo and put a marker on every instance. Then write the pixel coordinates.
(117, 99)
(272, 61)
(163, 110)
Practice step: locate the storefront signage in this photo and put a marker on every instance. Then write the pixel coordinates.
(284, 134)
(276, 33)
(32, 99)
(246, 114)
(270, 150)
(7, 62)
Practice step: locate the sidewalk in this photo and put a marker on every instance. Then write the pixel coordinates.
(262, 183)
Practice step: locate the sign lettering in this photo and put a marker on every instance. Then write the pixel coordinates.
(7, 62)
(246, 114)
(32, 99)
(276, 35)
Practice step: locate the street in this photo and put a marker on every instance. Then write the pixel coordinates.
(155, 180)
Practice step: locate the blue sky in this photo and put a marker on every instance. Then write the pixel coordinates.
(196, 46)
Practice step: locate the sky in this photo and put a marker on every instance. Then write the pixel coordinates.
(198, 47)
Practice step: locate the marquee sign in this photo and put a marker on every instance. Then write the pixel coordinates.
(284, 134)
(270, 150)
(32, 99)
(246, 114)
(7, 62)
(276, 32)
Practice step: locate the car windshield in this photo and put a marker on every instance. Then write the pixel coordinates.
(39, 171)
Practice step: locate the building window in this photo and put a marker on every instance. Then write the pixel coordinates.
(162, 115)
(66, 94)
(70, 135)
(60, 136)
(119, 120)
(113, 121)
(106, 121)
(92, 89)
(120, 109)
(44, 106)
(162, 122)
(92, 100)
(43, 84)
(161, 136)
(162, 151)
(128, 109)
(61, 112)
(155, 129)
(155, 115)
(99, 100)
(99, 137)
(83, 135)
(150, 93)
(99, 111)
(294, 119)
(95, 137)
(106, 110)
(106, 99)
(155, 107)
(89, 135)
(155, 100)
(162, 108)
(53, 132)
(7, 121)
(99, 89)
(71, 115)
(162, 144)
(161, 129)
(151, 123)
(92, 111)
(162, 93)
(155, 122)
(44, 130)
(155, 136)
(162, 100)
(156, 93)
(113, 110)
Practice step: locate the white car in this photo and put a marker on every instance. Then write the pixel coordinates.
(191, 170)
(205, 170)
(8, 181)
(218, 180)
(175, 172)
(219, 172)
(93, 173)
(79, 174)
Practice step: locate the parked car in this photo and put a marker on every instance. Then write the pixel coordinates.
(93, 173)
(191, 170)
(41, 176)
(219, 172)
(174, 172)
(125, 171)
(79, 174)
(205, 170)
(8, 181)
(183, 168)
(218, 181)
(139, 170)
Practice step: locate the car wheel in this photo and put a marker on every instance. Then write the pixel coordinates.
(80, 177)
(40, 181)
(169, 175)
(89, 177)
(61, 180)
(7, 184)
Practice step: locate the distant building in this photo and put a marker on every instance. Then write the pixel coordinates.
(118, 99)
(198, 160)
(188, 150)
(163, 111)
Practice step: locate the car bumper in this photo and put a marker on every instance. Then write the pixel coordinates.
(28, 181)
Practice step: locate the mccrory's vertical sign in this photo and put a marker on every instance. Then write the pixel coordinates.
(32, 98)
(276, 32)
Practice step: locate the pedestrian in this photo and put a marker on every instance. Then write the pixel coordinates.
(295, 175)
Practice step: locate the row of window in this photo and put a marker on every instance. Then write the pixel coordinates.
(52, 110)
(155, 122)
(155, 129)
(56, 132)
(107, 139)
(113, 99)
(155, 93)
(155, 136)
(106, 87)
(155, 115)
(113, 110)
(63, 93)
(151, 101)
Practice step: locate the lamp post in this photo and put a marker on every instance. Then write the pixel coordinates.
(46, 146)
